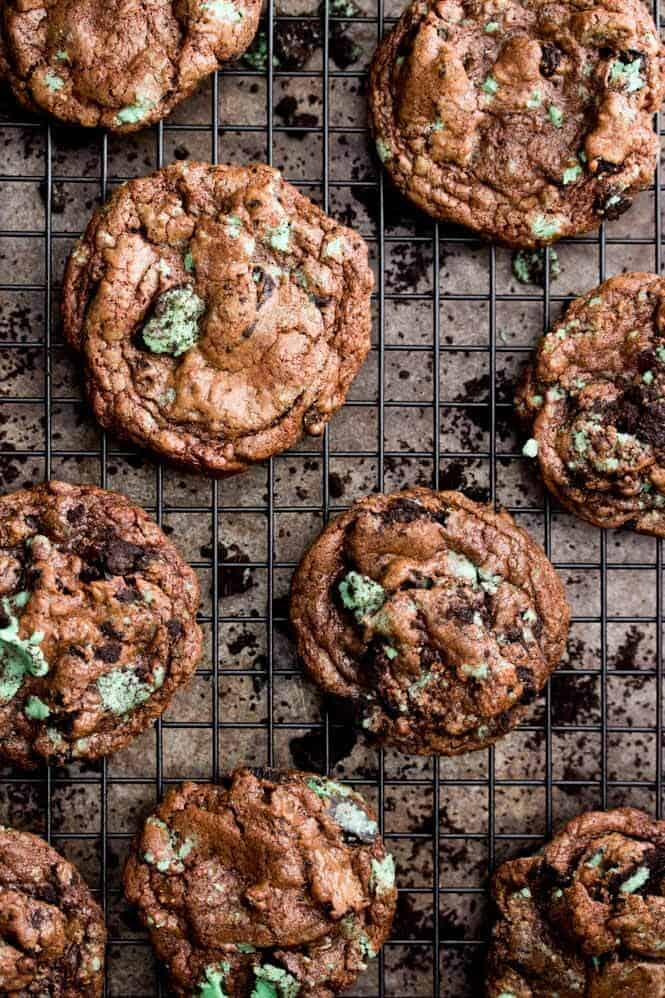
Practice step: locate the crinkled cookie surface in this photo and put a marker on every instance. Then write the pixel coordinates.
(119, 64)
(219, 313)
(272, 885)
(439, 618)
(524, 121)
(97, 623)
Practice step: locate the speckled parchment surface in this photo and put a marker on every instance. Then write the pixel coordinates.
(609, 668)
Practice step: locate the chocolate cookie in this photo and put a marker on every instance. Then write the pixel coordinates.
(273, 885)
(120, 64)
(438, 617)
(525, 121)
(53, 935)
(586, 915)
(593, 402)
(220, 314)
(97, 623)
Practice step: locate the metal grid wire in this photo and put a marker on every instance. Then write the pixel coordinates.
(434, 950)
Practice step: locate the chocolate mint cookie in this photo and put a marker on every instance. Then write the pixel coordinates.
(120, 64)
(584, 918)
(438, 617)
(525, 121)
(593, 401)
(97, 623)
(273, 885)
(53, 935)
(219, 314)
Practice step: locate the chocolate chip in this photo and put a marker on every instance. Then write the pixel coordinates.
(603, 167)
(75, 513)
(129, 594)
(265, 286)
(611, 205)
(109, 652)
(110, 631)
(550, 59)
(174, 627)
(525, 677)
(403, 511)
(122, 557)
(90, 574)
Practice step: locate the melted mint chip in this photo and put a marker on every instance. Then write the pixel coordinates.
(273, 982)
(627, 74)
(245, 948)
(367, 950)
(529, 266)
(222, 10)
(544, 227)
(555, 115)
(638, 879)
(479, 671)
(383, 151)
(327, 788)
(572, 173)
(279, 237)
(233, 226)
(121, 691)
(383, 875)
(212, 984)
(335, 248)
(361, 594)
(174, 326)
(352, 819)
(530, 448)
(53, 81)
(36, 709)
(489, 86)
(461, 567)
(171, 851)
(19, 657)
(133, 113)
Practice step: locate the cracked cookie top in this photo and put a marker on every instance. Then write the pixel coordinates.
(524, 121)
(120, 64)
(219, 313)
(440, 618)
(594, 402)
(97, 623)
(273, 885)
(53, 934)
(587, 912)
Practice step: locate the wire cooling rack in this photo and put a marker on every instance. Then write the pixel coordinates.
(432, 406)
